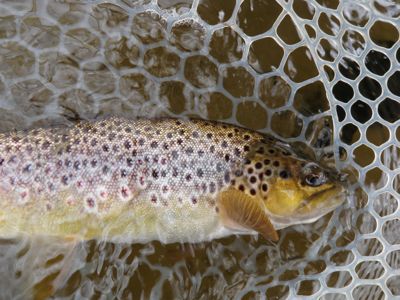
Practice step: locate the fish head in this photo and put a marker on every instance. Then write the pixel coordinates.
(292, 189)
(306, 194)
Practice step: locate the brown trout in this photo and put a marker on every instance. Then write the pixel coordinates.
(168, 180)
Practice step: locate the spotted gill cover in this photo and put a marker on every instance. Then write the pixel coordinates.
(146, 179)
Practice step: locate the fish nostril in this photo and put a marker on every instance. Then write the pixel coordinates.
(284, 174)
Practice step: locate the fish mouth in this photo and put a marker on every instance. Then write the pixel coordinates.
(312, 208)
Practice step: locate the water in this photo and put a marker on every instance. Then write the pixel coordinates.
(291, 68)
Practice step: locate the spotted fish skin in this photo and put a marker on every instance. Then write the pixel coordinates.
(142, 179)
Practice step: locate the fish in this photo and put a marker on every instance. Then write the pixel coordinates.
(163, 179)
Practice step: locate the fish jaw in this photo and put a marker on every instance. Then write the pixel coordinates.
(311, 210)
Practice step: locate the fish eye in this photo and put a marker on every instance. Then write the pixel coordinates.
(313, 175)
(314, 180)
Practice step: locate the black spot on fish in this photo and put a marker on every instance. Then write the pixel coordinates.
(27, 168)
(236, 152)
(212, 187)
(45, 145)
(68, 149)
(67, 163)
(154, 174)
(64, 180)
(264, 187)
(105, 170)
(189, 150)
(227, 177)
(111, 137)
(77, 165)
(127, 144)
(174, 154)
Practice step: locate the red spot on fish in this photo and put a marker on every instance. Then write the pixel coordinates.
(90, 202)
(125, 192)
(23, 194)
(79, 184)
(153, 198)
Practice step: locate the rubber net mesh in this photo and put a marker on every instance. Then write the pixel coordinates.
(321, 74)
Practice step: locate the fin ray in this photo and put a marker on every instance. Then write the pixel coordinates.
(238, 208)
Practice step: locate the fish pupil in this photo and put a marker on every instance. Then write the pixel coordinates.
(314, 180)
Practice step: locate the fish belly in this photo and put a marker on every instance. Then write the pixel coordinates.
(131, 222)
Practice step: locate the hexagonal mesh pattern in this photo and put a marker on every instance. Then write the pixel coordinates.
(323, 74)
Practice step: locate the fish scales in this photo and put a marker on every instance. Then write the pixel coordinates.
(97, 168)
(135, 179)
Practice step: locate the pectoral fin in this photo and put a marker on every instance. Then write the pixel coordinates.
(241, 210)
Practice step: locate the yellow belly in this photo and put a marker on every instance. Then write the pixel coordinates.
(134, 221)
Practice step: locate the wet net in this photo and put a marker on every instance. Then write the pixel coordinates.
(322, 74)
